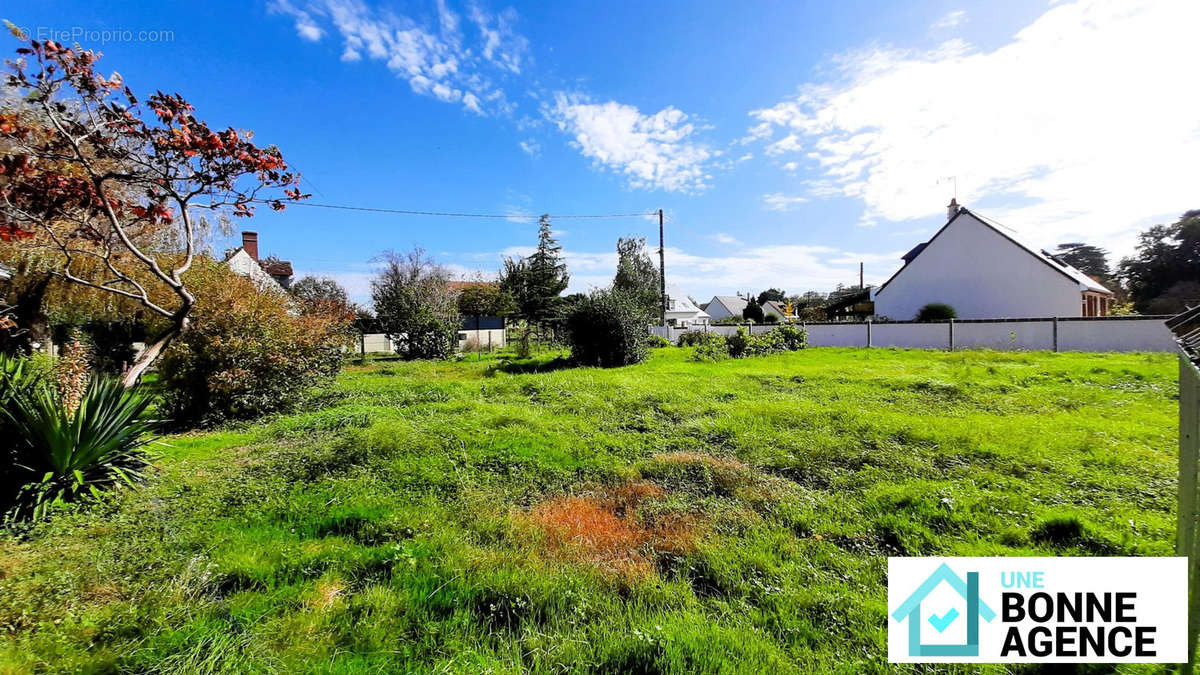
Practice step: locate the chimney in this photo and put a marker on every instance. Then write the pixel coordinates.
(250, 244)
(951, 209)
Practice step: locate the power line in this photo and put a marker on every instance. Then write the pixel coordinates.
(448, 214)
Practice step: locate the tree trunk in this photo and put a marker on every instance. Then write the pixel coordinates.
(31, 317)
(154, 350)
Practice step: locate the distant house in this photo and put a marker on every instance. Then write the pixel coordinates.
(983, 270)
(856, 305)
(268, 274)
(681, 311)
(479, 332)
(725, 306)
(778, 310)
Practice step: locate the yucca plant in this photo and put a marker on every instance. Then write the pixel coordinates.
(69, 455)
(17, 379)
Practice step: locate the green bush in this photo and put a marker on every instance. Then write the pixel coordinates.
(248, 353)
(66, 455)
(742, 344)
(693, 338)
(657, 341)
(738, 343)
(714, 347)
(793, 338)
(607, 329)
(936, 311)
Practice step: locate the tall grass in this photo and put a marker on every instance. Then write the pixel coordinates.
(671, 516)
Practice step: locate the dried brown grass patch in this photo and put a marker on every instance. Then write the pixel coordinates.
(605, 529)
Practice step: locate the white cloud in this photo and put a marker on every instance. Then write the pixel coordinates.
(723, 238)
(502, 45)
(794, 268)
(658, 151)
(951, 19)
(778, 201)
(1082, 127)
(436, 60)
(305, 26)
(791, 166)
(531, 147)
(789, 143)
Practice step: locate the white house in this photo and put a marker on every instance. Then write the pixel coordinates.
(983, 270)
(725, 306)
(268, 274)
(681, 311)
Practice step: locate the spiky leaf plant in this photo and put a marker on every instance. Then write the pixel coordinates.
(71, 455)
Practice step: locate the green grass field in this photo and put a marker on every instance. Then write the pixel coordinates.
(667, 517)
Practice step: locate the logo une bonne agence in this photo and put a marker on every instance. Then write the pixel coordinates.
(1030, 610)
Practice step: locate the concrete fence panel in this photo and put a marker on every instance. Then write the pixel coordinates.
(837, 334)
(1004, 335)
(1119, 335)
(911, 335)
(1101, 334)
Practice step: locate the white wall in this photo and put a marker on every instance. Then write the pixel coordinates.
(489, 338)
(242, 264)
(982, 275)
(1123, 336)
(1104, 334)
(1005, 335)
(375, 342)
(914, 335)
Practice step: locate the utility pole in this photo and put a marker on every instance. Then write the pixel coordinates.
(860, 275)
(662, 271)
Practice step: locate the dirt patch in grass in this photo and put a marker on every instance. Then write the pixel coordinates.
(608, 528)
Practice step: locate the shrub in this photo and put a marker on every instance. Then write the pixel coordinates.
(742, 344)
(738, 343)
(692, 338)
(657, 341)
(607, 329)
(936, 311)
(247, 352)
(69, 454)
(713, 347)
(793, 338)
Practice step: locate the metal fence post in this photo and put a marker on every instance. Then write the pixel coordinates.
(1189, 464)
(951, 334)
(1056, 333)
(868, 332)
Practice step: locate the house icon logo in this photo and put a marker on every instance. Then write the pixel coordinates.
(910, 609)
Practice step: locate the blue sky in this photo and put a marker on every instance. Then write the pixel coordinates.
(786, 141)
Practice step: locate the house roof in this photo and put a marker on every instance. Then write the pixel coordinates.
(683, 303)
(1085, 282)
(733, 304)
(276, 267)
(776, 306)
(943, 573)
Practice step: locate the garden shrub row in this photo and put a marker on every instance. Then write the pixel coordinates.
(715, 347)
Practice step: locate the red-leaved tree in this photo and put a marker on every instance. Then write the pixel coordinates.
(87, 171)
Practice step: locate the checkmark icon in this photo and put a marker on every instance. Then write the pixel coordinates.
(943, 622)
